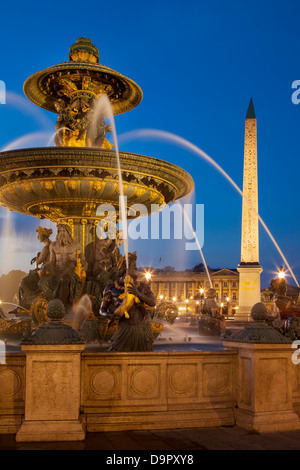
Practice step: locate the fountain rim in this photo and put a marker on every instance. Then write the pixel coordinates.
(82, 158)
(94, 152)
(32, 85)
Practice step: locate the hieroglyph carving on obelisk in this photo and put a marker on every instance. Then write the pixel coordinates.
(250, 245)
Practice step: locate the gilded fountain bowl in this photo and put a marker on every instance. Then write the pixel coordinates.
(59, 183)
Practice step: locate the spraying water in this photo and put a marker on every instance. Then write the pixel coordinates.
(15, 305)
(103, 107)
(198, 244)
(52, 138)
(169, 137)
(30, 139)
(26, 107)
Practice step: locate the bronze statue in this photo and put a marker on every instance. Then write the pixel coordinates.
(286, 305)
(31, 286)
(64, 257)
(211, 322)
(134, 333)
(77, 124)
(107, 255)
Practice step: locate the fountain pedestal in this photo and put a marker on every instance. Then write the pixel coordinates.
(265, 400)
(52, 401)
(265, 396)
(52, 394)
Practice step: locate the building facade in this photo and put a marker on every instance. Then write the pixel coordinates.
(191, 286)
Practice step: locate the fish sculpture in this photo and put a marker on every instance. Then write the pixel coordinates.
(128, 299)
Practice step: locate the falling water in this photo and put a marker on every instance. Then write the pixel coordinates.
(30, 139)
(51, 140)
(197, 242)
(25, 106)
(169, 137)
(8, 238)
(2, 302)
(103, 106)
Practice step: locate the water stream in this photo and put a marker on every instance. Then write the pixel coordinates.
(173, 138)
(103, 107)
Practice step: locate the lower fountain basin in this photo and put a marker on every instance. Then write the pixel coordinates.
(58, 183)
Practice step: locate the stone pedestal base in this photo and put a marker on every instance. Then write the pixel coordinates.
(271, 421)
(249, 290)
(243, 315)
(265, 378)
(46, 431)
(52, 396)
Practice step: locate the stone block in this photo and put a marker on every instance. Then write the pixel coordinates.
(265, 385)
(52, 393)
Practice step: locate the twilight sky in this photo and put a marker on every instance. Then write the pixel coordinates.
(198, 64)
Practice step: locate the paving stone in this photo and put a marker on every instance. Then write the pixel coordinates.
(122, 441)
(149, 441)
(218, 438)
(180, 439)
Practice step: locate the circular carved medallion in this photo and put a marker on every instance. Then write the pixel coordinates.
(181, 380)
(9, 383)
(217, 378)
(103, 382)
(143, 381)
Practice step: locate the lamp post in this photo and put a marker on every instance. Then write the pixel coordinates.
(201, 297)
(281, 273)
(227, 300)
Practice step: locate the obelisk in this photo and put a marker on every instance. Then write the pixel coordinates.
(249, 268)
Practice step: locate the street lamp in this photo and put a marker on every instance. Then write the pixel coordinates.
(148, 276)
(281, 273)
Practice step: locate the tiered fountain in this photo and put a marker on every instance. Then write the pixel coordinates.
(57, 390)
(68, 182)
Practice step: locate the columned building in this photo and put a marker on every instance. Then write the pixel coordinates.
(191, 286)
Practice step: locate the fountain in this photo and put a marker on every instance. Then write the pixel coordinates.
(57, 389)
(67, 183)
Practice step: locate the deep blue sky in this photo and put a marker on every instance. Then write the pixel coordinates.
(198, 63)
